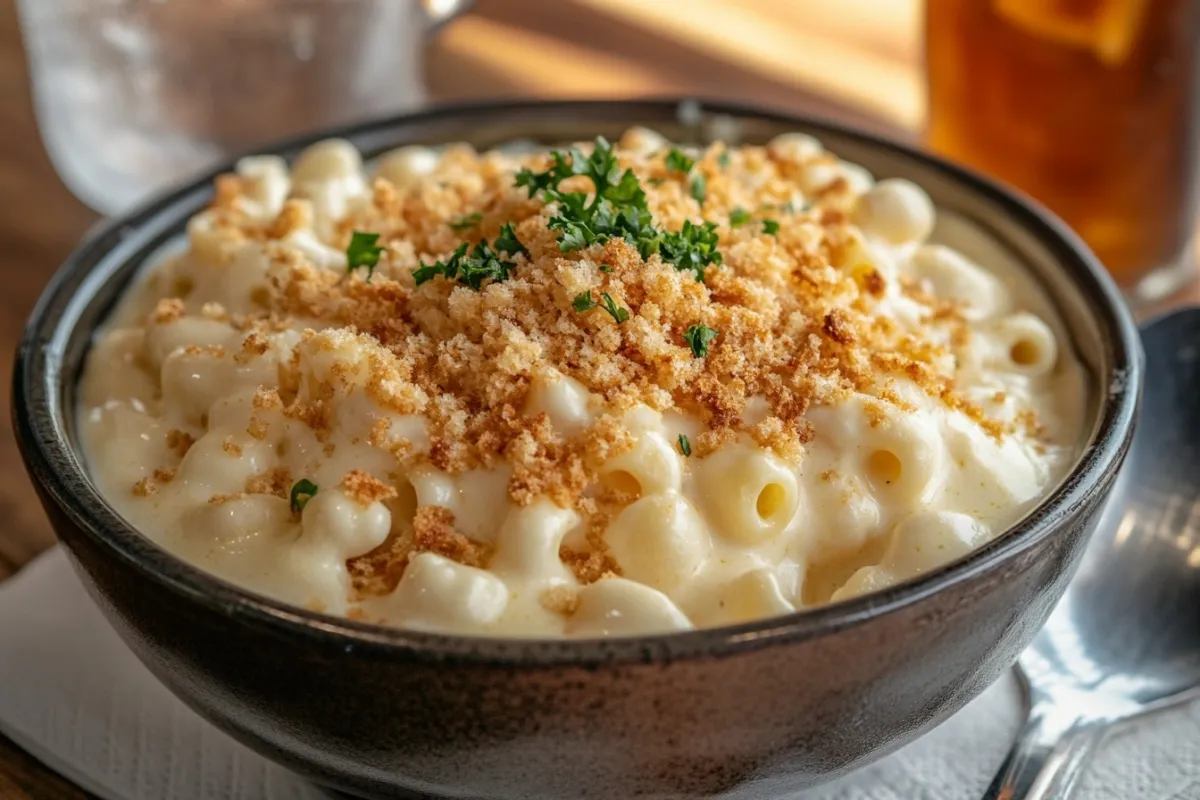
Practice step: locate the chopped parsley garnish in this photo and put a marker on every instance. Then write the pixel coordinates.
(303, 490)
(583, 302)
(685, 446)
(507, 241)
(616, 209)
(619, 314)
(770, 227)
(738, 217)
(699, 188)
(605, 268)
(363, 252)
(698, 337)
(678, 161)
(481, 265)
(693, 248)
(466, 221)
(448, 268)
(723, 159)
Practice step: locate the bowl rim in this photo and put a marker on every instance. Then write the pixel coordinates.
(48, 454)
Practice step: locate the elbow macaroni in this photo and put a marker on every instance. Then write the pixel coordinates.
(482, 464)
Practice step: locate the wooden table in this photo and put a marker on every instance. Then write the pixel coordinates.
(856, 60)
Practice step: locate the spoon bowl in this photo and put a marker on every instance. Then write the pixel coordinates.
(1125, 638)
(1129, 624)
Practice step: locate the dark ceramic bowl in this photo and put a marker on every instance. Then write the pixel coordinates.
(756, 709)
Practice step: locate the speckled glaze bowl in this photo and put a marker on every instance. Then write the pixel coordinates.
(753, 710)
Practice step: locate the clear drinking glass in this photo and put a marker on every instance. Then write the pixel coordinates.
(132, 95)
(1091, 106)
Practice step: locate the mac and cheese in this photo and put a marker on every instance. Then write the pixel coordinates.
(515, 394)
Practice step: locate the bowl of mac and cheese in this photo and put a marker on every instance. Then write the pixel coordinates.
(579, 449)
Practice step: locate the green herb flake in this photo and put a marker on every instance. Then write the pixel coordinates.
(303, 490)
(466, 221)
(685, 446)
(447, 269)
(723, 159)
(693, 248)
(482, 264)
(770, 227)
(583, 302)
(507, 241)
(699, 188)
(619, 314)
(698, 338)
(617, 208)
(738, 217)
(605, 268)
(678, 161)
(363, 251)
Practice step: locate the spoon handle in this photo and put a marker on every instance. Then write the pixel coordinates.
(1047, 760)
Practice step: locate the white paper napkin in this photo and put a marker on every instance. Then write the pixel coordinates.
(78, 700)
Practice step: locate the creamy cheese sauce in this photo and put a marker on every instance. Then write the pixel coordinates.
(234, 370)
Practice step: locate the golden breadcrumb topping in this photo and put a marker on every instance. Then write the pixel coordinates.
(790, 312)
(364, 489)
(794, 310)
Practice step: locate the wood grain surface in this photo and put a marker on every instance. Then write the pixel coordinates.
(854, 60)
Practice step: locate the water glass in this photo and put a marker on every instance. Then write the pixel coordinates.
(133, 95)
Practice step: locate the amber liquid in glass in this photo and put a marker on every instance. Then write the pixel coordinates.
(1090, 106)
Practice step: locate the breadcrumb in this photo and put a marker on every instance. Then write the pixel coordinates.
(798, 315)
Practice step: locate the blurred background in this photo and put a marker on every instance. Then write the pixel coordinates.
(1090, 105)
(855, 59)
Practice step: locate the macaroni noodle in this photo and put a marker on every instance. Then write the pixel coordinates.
(606, 392)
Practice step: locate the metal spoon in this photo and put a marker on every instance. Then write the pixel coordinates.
(1125, 639)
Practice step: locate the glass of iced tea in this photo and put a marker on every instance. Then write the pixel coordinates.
(1090, 106)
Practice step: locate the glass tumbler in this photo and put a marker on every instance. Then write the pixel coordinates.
(1090, 106)
(133, 95)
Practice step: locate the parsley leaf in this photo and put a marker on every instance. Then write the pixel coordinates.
(738, 217)
(723, 159)
(619, 314)
(507, 241)
(698, 337)
(481, 265)
(466, 221)
(363, 252)
(693, 248)
(583, 302)
(447, 268)
(678, 161)
(616, 209)
(685, 446)
(605, 268)
(699, 188)
(303, 490)
(770, 227)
